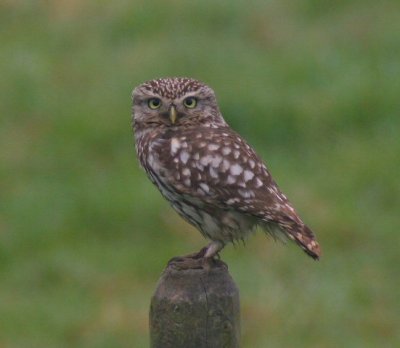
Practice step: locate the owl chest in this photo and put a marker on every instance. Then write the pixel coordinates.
(213, 222)
(150, 152)
(159, 177)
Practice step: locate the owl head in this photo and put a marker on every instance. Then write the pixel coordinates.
(171, 103)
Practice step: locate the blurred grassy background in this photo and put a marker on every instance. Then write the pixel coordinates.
(313, 85)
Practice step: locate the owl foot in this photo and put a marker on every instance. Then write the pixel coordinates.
(205, 264)
(206, 258)
(190, 261)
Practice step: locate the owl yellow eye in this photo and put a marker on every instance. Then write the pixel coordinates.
(154, 103)
(190, 102)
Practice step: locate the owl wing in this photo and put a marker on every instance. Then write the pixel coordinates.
(218, 169)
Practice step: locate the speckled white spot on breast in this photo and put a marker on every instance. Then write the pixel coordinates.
(175, 145)
(246, 193)
(213, 147)
(231, 179)
(213, 173)
(225, 165)
(226, 150)
(248, 175)
(252, 164)
(184, 156)
(205, 160)
(216, 161)
(258, 183)
(236, 169)
(204, 187)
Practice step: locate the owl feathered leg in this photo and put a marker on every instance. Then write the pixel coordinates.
(213, 249)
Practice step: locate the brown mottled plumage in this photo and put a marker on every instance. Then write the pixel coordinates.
(207, 172)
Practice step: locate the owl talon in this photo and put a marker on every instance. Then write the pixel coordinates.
(204, 263)
(200, 254)
(198, 260)
(195, 256)
(185, 263)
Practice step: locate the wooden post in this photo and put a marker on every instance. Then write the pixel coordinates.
(195, 308)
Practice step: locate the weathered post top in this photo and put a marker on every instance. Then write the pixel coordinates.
(195, 308)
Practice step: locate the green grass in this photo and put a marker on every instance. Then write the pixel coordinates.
(313, 85)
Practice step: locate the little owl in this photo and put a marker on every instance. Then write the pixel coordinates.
(207, 172)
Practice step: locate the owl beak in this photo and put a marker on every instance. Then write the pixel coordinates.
(172, 114)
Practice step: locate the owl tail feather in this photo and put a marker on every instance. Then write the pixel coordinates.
(287, 229)
(304, 238)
